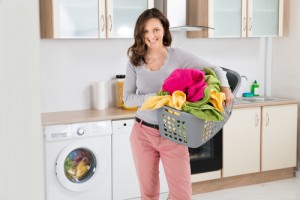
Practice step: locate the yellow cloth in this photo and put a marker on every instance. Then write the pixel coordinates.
(217, 99)
(177, 100)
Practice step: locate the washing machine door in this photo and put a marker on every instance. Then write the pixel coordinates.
(76, 167)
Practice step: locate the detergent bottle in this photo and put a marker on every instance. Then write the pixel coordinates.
(255, 88)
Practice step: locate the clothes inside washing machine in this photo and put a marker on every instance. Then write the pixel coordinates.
(80, 165)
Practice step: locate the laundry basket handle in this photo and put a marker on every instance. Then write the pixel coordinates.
(234, 80)
(173, 111)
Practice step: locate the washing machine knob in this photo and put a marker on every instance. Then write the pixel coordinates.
(80, 131)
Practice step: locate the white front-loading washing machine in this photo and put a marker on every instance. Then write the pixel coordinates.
(78, 161)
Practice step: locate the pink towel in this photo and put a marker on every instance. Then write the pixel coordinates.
(189, 81)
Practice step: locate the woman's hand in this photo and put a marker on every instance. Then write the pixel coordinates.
(228, 94)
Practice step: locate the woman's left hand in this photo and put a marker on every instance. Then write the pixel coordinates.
(228, 94)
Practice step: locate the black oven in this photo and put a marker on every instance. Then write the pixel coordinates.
(208, 157)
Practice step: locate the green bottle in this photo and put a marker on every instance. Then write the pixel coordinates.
(255, 88)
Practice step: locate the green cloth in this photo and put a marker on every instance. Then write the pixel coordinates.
(211, 79)
(202, 109)
(162, 93)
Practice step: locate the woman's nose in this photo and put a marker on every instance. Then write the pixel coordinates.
(150, 34)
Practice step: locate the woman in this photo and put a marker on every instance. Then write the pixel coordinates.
(151, 61)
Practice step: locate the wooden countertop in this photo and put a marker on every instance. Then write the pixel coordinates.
(78, 116)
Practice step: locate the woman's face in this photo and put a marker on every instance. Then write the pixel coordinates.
(153, 33)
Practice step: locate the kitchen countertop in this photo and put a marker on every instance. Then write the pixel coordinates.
(276, 101)
(78, 116)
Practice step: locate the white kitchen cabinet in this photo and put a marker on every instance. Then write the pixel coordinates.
(260, 139)
(90, 18)
(279, 137)
(236, 18)
(241, 142)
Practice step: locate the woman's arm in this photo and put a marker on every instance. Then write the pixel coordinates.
(131, 97)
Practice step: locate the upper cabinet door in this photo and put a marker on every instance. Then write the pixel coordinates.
(75, 18)
(226, 18)
(122, 15)
(264, 18)
(90, 18)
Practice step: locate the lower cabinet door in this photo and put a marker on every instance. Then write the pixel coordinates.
(241, 142)
(279, 137)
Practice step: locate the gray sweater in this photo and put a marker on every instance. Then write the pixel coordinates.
(141, 83)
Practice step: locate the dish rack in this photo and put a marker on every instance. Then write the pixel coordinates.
(189, 130)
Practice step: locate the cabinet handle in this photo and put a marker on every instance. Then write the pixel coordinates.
(250, 24)
(267, 119)
(110, 22)
(244, 24)
(103, 23)
(256, 120)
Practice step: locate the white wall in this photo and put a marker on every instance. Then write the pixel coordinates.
(21, 164)
(68, 66)
(286, 61)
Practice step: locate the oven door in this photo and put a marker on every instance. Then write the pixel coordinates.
(208, 157)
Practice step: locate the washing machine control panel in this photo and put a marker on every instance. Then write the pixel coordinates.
(87, 129)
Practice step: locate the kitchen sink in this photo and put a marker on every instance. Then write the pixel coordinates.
(259, 99)
(242, 100)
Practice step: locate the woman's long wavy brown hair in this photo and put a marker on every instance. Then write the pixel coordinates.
(138, 50)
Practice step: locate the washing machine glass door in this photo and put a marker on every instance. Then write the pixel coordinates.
(76, 167)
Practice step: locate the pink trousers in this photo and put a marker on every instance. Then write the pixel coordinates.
(147, 148)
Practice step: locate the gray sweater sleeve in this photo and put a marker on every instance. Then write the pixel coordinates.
(131, 96)
(221, 74)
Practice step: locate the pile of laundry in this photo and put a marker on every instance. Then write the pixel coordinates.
(77, 165)
(193, 91)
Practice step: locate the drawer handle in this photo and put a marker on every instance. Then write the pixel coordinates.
(267, 119)
(250, 24)
(244, 24)
(103, 23)
(110, 22)
(256, 120)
